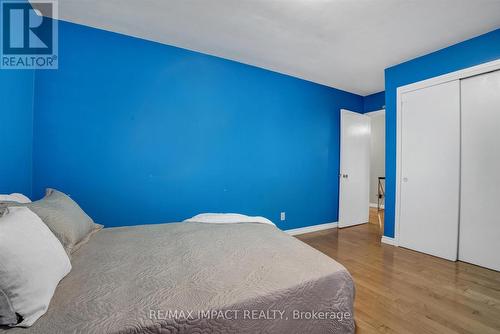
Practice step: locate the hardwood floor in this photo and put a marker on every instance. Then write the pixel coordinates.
(402, 291)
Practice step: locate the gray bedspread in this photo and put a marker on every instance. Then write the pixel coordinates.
(199, 278)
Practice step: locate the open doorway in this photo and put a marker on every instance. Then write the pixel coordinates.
(377, 168)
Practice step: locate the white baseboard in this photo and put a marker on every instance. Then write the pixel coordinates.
(389, 241)
(374, 205)
(314, 228)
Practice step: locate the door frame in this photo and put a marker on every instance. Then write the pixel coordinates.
(343, 111)
(452, 76)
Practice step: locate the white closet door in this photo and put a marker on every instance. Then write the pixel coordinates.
(429, 193)
(480, 186)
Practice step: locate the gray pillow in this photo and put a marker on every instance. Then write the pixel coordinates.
(69, 223)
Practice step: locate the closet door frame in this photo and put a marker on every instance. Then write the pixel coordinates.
(457, 75)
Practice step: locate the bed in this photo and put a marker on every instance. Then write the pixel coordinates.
(199, 278)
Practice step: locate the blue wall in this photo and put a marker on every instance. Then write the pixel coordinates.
(472, 52)
(374, 102)
(138, 132)
(16, 130)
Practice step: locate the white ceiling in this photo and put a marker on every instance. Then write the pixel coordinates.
(345, 44)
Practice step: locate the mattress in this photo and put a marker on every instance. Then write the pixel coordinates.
(199, 278)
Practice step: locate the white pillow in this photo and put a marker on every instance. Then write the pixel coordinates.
(15, 197)
(227, 218)
(32, 262)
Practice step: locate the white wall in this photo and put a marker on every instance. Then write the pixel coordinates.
(377, 162)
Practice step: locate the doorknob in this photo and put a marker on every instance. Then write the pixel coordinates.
(405, 179)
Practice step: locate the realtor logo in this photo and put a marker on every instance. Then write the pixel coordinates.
(29, 35)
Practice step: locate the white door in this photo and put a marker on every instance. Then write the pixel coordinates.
(430, 165)
(480, 188)
(354, 199)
